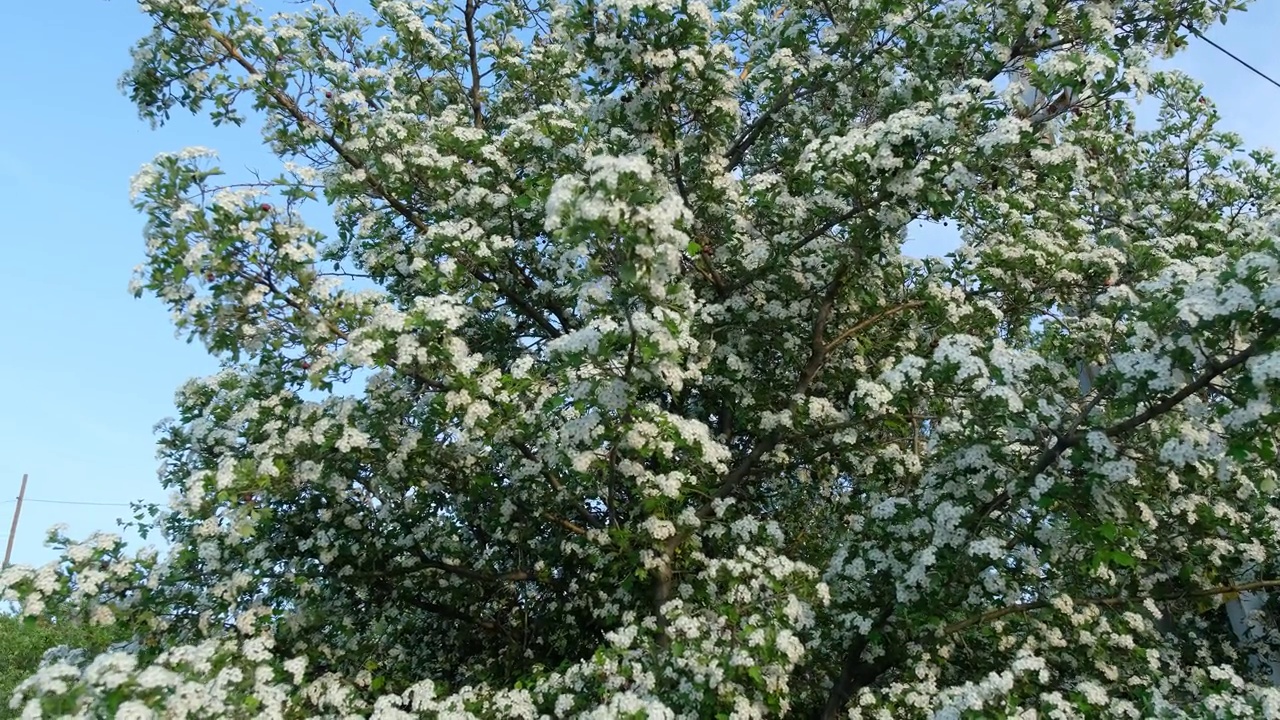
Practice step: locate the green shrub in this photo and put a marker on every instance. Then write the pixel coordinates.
(24, 642)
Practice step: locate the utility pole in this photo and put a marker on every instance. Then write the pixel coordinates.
(13, 527)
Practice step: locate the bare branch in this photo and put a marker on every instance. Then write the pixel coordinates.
(868, 322)
(473, 51)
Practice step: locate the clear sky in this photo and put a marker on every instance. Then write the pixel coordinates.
(85, 370)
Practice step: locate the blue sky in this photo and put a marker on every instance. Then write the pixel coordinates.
(86, 370)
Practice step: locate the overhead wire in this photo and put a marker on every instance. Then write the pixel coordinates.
(77, 502)
(1233, 56)
(67, 502)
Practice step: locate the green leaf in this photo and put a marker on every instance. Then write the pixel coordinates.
(627, 273)
(1123, 559)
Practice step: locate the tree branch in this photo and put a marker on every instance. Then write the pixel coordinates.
(868, 322)
(1106, 601)
(1072, 437)
(1211, 373)
(473, 49)
(379, 190)
(558, 486)
(854, 672)
(741, 145)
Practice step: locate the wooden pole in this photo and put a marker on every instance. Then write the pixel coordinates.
(13, 527)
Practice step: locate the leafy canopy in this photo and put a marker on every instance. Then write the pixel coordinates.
(613, 395)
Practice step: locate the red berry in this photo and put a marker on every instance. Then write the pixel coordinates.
(266, 207)
(305, 365)
(328, 94)
(208, 277)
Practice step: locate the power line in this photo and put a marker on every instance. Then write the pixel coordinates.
(66, 502)
(77, 502)
(1232, 55)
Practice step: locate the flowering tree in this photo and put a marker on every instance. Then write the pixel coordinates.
(614, 396)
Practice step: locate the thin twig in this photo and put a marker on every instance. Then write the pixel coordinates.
(868, 322)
